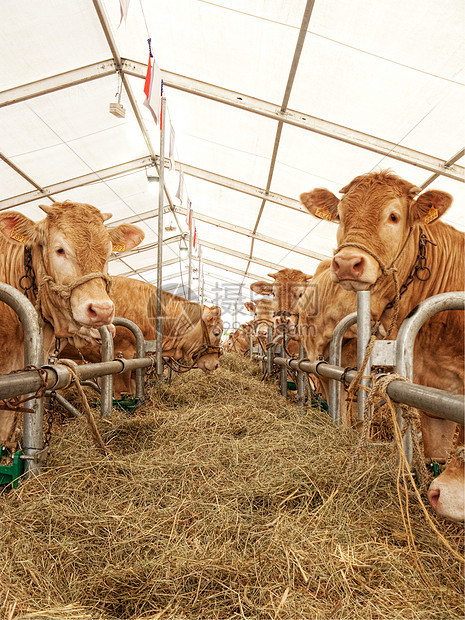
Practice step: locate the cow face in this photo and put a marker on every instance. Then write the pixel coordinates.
(446, 492)
(70, 249)
(376, 212)
(287, 289)
(263, 316)
(211, 316)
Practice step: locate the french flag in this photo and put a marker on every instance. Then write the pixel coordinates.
(153, 88)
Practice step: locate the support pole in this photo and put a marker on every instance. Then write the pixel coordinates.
(106, 382)
(251, 345)
(161, 190)
(189, 277)
(269, 351)
(33, 355)
(363, 338)
(140, 352)
(283, 373)
(335, 355)
(301, 378)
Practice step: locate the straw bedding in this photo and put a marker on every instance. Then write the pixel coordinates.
(220, 500)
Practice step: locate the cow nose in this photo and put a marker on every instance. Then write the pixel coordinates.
(100, 313)
(433, 497)
(348, 267)
(262, 333)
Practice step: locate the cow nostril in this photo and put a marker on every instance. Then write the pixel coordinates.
(433, 497)
(358, 266)
(91, 312)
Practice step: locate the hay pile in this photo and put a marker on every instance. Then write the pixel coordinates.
(218, 501)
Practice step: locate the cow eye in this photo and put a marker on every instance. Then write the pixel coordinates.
(394, 217)
(61, 251)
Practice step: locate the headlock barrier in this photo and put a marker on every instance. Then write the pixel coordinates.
(45, 378)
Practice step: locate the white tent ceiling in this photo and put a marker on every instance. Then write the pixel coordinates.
(268, 98)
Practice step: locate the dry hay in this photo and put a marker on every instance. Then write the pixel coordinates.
(219, 501)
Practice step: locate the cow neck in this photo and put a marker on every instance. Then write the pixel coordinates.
(413, 273)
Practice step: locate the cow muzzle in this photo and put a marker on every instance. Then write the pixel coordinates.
(354, 270)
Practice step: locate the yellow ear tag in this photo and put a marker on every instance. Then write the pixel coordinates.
(119, 248)
(17, 237)
(323, 214)
(431, 215)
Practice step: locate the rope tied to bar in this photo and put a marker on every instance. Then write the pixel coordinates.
(405, 481)
(89, 416)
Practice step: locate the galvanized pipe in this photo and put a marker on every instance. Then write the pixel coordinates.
(438, 402)
(140, 352)
(251, 345)
(106, 383)
(283, 373)
(59, 376)
(269, 351)
(68, 406)
(161, 191)
(406, 342)
(301, 378)
(33, 355)
(335, 358)
(363, 339)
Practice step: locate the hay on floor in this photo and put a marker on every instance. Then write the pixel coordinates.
(220, 500)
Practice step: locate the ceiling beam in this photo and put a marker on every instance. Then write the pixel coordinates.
(237, 100)
(301, 120)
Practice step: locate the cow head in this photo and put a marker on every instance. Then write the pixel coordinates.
(69, 250)
(263, 316)
(446, 493)
(288, 287)
(375, 214)
(211, 316)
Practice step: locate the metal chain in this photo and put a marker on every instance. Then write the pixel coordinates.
(29, 275)
(419, 267)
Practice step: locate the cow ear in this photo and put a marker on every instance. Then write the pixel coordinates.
(321, 203)
(250, 306)
(215, 311)
(262, 288)
(17, 227)
(107, 216)
(125, 237)
(430, 206)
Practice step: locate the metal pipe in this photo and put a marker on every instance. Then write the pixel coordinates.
(269, 351)
(140, 352)
(363, 339)
(250, 345)
(61, 400)
(300, 378)
(33, 355)
(189, 260)
(106, 383)
(335, 358)
(283, 373)
(161, 179)
(431, 400)
(406, 343)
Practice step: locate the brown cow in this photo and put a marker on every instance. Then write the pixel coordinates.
(239, 340)
(383, 223)
(288, 287)
(67, 254)
(187, 329)
(446, 492)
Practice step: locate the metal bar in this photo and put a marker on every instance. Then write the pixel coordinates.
(406, 342)
(106, 383)
(438, 402)
(189, 260)
(61, 400)
(239, 100)
(269, 351)
(251, 345)
(33, 355)
(300, 379)
(335, 356)
(140, 352)
(299, 119)
(363, 339)
(283, 373)
(161, 172)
